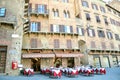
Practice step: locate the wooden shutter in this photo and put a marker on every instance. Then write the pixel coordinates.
(45, 8)
(93, 32)
(112, 45)
(61, 28)
(30, 7)
(82, 31)
(103, 34)
(99, 33)
(36, 7)
(107, 34)
(116, 36)
(77, 30)
(103, 45)
(88, 32)
(69, 44)
(56, 43)
(93, 44)
(33, 43)
(111, 35)
(71, 29)
(29, 27)
(39, 26)
(51, 27)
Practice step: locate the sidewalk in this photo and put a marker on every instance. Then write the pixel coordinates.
(112, 74)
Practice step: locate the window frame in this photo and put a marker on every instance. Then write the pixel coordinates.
(101, 34)
(2, 12)
(94, 6)
(85, 4)
(56, 43)
(98, 19)
(35, 26)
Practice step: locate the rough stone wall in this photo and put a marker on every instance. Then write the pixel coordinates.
(64, 62)
(26, 63)
(14, 14)
(46, 62)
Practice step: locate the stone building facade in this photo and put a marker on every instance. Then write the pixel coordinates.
(11, 32)
(66, 33)
(51, 39)
(101, 36)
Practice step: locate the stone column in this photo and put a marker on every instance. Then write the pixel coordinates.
(77, 61)
(64, 62)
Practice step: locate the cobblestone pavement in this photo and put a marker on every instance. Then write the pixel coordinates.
(112, 74)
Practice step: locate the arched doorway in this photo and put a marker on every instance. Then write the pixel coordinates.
(36, 64)
(58, 62)
(70, 62)
(82, 46)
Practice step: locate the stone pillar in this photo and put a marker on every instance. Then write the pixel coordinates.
(101, 60)
(90, 60)
(14, 54)
(84, 59)
(111, 60)
(26, 63)
(64, 62)
(46, 62)
(77, 61)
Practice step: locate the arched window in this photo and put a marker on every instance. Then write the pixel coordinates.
(66, 14)
(55, 12)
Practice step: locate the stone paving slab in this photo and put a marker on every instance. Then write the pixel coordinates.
(112, 74)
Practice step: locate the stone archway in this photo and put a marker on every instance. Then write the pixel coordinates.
(83, 50)
(82, 46)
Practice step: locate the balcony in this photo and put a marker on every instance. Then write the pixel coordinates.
(50, 33)
(37, 12)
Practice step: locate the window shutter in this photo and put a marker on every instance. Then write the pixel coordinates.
(51, 27)
(30, 7)
(93, 44)
(29, 27)
(33, 43)
(69, 44)
(56, 43)
(111, 35)
(71, 29)
(45, 8)
(93, 31)
(107, 34)
(36, 7)
(63, 28)
(82, 31)
(112, 45)
(39, 26)
(103, 34)
(60, 28)
(103, 45)
(77, 30)
(88, 32)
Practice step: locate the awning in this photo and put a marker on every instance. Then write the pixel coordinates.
(37, 55)
(69, 55)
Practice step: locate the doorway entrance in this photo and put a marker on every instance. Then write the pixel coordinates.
(3, 52)
(70, 62)
(97, 62)
(36, 64)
